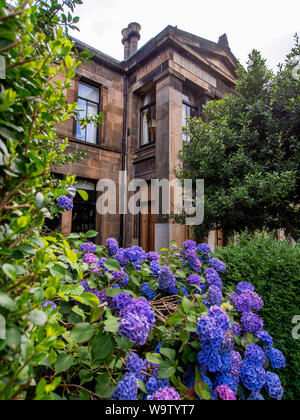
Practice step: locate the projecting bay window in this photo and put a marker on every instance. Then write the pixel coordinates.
(148, 120)
(189, 110)
(88, 105)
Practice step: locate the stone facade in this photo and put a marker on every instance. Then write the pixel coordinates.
(173, 66)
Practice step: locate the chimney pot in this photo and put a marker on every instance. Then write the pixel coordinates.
(131, 36)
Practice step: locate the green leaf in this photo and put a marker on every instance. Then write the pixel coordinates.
(169, 353)
(202, 388)
(124, 343)
(2, 328)
(103, 346)
(91, 234)
(58, 271)
(84, 195)
(71, 256)
(186, 305)
(63, 363)
(10, 271)
(13, 337)
(7, 303)
(154, 358)
(112, 265)
(142, 386)
(166, 370)
(105, 386)
(175, 319)
(69, 61)
(112, 324)
(85, 376)
(82, 333)
(96, 314)
(38, 318)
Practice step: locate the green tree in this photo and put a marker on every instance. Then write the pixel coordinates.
(247, 149)
(36, 47)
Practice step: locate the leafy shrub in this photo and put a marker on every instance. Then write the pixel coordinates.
(32, 102)
(273, 268)
(144, 326)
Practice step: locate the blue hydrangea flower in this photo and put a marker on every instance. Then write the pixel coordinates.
(236, 329)
(155, 267)
(265, 338)
(64, 203)
(255, 396)
(276, 358)
(253, 377)
(273, 386)
(210, 360)
(255, 355)
(227, 380)
(113, 246)
(147, 292)
(206, 328)
(226, 362)
(166, 279)
(220, 316)
(127, 389)
(135, 365)
(185, 291)
(236, 365)
(204, 248)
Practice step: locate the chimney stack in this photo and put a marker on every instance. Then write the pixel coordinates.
(131, 37)
(223, 41)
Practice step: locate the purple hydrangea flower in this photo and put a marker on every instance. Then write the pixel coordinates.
(251, 323)
(218, 265)
(194, 280)
(153, 256)
(236, 329)
(237, 364)
(113, 246)
(190, 244)
(88, 247)
(224, 393)
(48, 303)
(193, 261)
(215, 296)
(204, 248)
(135, 328)
(168, 394)
(120, 257)
(276, 358)
(166, 279)
(242, 287)
(127, 389)
(141, 307)
(121, 301)
(90, 259)
(213, 278)
(273, 386)
(64, 203)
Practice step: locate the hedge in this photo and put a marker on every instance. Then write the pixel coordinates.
(273, 267)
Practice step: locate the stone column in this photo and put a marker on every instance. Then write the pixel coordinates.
(169, 142)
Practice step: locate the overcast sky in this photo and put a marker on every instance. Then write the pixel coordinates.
(267, 25)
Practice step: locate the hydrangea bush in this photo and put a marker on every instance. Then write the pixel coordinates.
(160, 328)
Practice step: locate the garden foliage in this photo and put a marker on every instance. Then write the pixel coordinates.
(273, 268)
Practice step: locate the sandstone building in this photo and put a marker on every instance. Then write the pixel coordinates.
(145, 100)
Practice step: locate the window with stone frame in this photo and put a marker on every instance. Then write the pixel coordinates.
(148, 122)
(84, 212)
(190, 109)
(88, 105)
